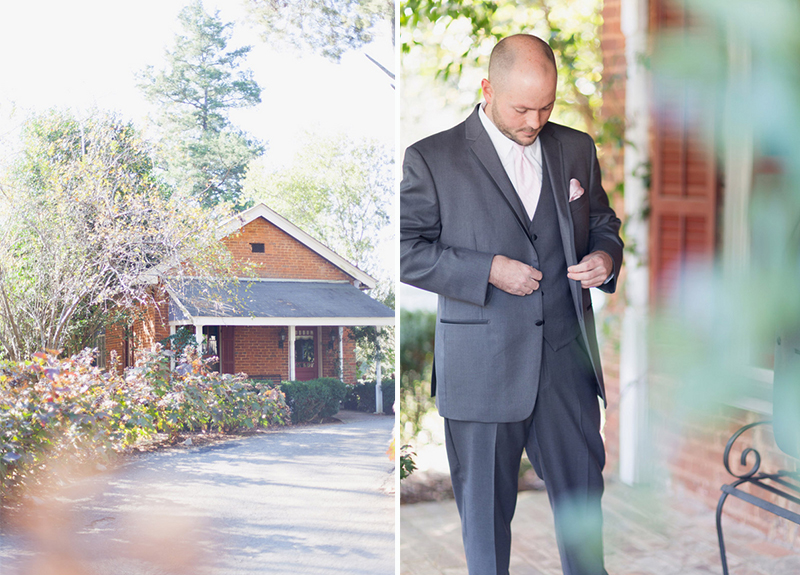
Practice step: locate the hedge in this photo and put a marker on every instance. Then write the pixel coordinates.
(314, 399)
(71, 410)
(361, 397)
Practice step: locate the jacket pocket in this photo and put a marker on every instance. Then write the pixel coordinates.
(579, 204)
(464, 321)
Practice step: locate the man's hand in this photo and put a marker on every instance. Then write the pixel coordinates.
(513, 276)
(593, 269)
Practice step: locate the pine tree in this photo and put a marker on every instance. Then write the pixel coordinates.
(202, 82)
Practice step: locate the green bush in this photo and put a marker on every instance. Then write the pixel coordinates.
(73, 411)
(361, 397)
(314, 399)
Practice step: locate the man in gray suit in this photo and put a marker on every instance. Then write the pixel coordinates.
(505, 217)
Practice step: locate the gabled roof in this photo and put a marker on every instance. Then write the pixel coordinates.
(275, 302)
(262, 211)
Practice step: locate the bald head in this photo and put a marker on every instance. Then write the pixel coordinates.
(520, 91)
(520, 53)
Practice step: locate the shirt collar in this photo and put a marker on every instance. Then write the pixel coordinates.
(503, 144)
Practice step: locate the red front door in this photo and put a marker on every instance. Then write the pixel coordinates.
(305, 353)
(226, 360)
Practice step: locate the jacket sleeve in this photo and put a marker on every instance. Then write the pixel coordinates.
(426, 262)
(603, 222)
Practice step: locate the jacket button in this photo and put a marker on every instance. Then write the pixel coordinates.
(535, 237)
(540, 322)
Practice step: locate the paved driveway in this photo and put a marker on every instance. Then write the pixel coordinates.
(310, 500)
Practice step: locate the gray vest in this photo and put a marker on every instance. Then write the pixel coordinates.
(560, 321)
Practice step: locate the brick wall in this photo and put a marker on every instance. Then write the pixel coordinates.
(150, 326)
(257, 353)
(692, 452)
(350, 375)
(284, 257)
(612, 164)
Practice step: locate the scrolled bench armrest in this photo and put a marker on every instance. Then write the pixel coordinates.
(743, 460)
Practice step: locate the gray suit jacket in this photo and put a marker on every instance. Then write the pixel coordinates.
(458, 209)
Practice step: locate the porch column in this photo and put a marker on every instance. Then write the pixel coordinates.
(633, 409)
(198, 337)
(378, 382)
(291, 352)
(318, 350)
(341, 353)
(172, 359)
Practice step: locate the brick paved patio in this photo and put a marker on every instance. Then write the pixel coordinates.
(645, 534)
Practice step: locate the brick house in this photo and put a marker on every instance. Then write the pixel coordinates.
(287, 320)
(683, 203)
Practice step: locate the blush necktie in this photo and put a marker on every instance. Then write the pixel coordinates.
(528, 185)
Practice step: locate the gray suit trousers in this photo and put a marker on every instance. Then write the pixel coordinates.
(562, 439)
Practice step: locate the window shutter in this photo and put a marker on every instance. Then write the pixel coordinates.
(684, 189)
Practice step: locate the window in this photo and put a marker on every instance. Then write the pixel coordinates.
(257, 248)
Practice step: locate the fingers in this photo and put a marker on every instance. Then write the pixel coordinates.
(513, 276)
(592, 271)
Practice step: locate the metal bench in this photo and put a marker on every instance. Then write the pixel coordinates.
(784, 484)
(781, 484)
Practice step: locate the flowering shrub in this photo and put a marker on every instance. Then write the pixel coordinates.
(70, 409)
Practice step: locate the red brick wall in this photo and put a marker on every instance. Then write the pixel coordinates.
(693, 452)
(330, 358)
(612, 164)
(284, 256)
(150, 326)
(256, 351)
(350, 375)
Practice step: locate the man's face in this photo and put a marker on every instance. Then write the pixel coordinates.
(521, 104)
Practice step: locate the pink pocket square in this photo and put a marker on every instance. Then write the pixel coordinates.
(575, 190)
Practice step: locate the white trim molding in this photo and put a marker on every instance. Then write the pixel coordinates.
(275, 321)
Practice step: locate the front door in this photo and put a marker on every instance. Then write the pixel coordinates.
(305, 353)
(226, 357)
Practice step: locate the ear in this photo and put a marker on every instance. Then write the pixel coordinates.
(488, 92)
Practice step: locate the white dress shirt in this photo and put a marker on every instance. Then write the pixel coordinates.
(505, 150)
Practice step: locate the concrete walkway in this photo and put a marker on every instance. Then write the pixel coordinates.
(645, 534)
(312, 500)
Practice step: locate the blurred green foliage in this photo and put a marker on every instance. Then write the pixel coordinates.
(735, 71)
(416, 360)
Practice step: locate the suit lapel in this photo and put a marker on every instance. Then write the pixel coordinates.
(484, 150)
(554, 156)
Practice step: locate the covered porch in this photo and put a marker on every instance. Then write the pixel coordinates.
(277, 329)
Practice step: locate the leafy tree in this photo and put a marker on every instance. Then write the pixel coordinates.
(339, 191)
(202, 82)
(327, 27)
(451, 40)
(86, 223)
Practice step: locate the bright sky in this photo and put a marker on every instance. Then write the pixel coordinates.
(82, 53)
